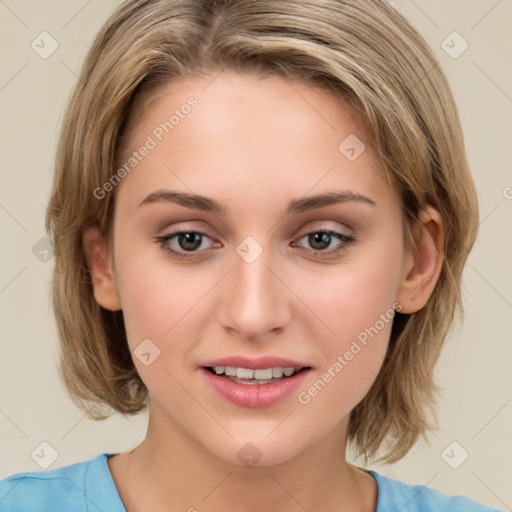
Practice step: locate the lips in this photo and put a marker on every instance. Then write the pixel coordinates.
(249, 392)
(258, 363)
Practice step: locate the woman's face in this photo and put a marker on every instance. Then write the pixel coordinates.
(266, 273)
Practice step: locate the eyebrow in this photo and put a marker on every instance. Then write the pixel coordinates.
(198, 202)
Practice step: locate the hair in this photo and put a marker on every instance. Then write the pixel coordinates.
(364, 53)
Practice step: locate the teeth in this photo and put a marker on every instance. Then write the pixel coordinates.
(262, 374)
(277, 372)
(244, 373)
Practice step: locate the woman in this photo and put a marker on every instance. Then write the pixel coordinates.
(261, 213)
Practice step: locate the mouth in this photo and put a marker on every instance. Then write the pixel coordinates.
(256, 382)
(256, 377)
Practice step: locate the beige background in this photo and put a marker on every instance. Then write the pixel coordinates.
(476, 408)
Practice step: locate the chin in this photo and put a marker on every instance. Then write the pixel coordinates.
(258, 450)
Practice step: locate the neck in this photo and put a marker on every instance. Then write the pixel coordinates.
(171, 471)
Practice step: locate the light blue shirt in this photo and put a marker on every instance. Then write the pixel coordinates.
(89, 487)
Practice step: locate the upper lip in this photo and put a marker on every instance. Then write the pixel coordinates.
(256, 363)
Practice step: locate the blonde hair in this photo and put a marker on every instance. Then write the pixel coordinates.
(365, 53)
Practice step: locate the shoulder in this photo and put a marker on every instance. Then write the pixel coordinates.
(78, 487)
(395, 495)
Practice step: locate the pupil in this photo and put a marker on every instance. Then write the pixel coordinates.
(323, 239)
(189, 241)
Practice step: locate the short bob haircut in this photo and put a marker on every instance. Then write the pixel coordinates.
(361, 51)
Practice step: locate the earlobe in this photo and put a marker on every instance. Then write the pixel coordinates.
(98, 263)
(422, 262)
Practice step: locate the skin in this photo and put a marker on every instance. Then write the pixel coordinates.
(254, 145)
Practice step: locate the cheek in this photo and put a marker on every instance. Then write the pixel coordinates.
(353, 296)
(355, 306)
(160, 320)
(167, 305)
(157, 299)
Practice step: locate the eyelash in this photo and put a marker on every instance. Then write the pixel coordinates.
(344, 239)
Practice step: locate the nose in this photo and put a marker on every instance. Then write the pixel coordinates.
(255, 301)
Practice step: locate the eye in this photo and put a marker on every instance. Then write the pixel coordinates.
(321, 240)
(186, 242)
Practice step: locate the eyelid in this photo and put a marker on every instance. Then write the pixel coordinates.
(175, 232)
(320, 225)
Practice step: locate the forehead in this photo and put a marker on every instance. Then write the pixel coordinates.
(245, 136)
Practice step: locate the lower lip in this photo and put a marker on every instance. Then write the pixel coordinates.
(255, 395)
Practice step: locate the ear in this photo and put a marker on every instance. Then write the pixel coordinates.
(422, 262)
(98, 262)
